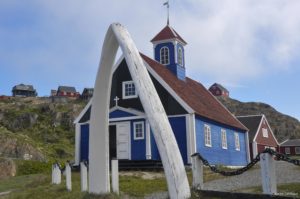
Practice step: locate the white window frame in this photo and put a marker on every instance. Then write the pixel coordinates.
(224, 138)
(297, 150)
(124, 96)
(207, 135)
(180, 56)
(287, 150)
(134, 130)
(164, 56)
(237, 142)
(265, 132)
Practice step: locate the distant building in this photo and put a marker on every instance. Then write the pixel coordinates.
(53, 93)
(218, 90)
(260, 134)
(290, 147)
(4, 97)
(23, 90)
(87, 93)
(67, 91)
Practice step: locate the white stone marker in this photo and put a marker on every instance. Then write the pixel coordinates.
(83, 177)
(115, 176)
(53, 175)
(197, 170)
(268, 175)
(56, 174)
(118, 36)
(68, 177)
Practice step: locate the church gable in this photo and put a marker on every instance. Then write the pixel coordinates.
(122, 76)
(117, 112)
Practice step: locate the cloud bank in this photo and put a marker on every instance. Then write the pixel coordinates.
(229, 41)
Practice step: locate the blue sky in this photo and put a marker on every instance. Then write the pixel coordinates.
(250, 46)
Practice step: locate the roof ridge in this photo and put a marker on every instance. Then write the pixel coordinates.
(250, 115)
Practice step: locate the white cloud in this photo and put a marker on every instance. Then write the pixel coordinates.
(228, 40)
(231, 40)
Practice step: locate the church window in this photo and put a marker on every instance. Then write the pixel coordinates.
(138, 130)
(224, 139)
(265, 132)
(164, 55)
(129, 90)
(237, 142)
(287, 150)
(180, 56)
(207, 135)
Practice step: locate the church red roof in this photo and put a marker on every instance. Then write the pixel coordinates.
(167, 33)
(196, 96)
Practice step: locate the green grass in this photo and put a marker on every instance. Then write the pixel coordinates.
(136, 186)
(38, 186)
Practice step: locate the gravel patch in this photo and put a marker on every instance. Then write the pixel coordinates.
(285, 173)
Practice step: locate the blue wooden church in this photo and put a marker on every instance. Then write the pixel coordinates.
(200, 123)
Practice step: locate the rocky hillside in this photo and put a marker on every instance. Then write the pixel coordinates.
(37, 128)
(283, 126)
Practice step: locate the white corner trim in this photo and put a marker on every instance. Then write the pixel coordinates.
(128, 110)
(264, 117)
(257, 131)
(148, 141)
(190, 136)
(247, 147)
(83, 111)
(77, 143)
(254, 149)
(284, 141)
(169, 89)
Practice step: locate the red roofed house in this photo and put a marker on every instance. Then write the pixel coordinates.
(290, 147)
(218, 90)
(67, 91)
(261, 135)
(199, 122)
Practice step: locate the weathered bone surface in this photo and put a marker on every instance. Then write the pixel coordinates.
(175, 173)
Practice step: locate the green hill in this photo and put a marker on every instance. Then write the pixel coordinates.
(37, 128)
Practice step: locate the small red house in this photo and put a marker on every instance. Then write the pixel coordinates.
(290, 147)
(218, 90)
(260, 134)
(67, 91)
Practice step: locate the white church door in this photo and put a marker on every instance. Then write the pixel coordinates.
(123, 140)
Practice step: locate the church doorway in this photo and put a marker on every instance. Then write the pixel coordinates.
(112, 141)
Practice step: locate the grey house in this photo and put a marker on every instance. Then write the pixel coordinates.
(23, 90)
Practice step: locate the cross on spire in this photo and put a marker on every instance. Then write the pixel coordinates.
(168, 8)
(116, 100)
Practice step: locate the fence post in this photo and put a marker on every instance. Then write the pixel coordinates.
(197, 170)
(68, 177)
(83, 176)
(115, 176)
(268, 175)
(53, 174)
(56, 174)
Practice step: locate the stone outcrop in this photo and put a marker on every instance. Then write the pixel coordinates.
(7, 168)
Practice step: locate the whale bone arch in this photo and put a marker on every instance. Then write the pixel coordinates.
(118, 36)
